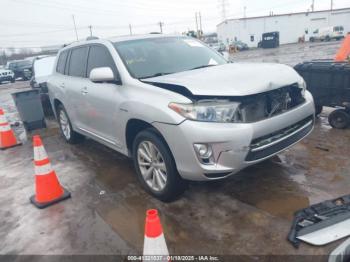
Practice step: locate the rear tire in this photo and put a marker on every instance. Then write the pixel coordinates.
(67, 131)
(328, 38)
(339, 119)
(163, 183)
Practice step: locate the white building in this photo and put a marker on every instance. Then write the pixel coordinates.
(291, 26)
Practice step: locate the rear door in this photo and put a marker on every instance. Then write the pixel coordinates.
(102, 99)
(75, 81)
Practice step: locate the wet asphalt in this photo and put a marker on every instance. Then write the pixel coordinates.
(247, 214)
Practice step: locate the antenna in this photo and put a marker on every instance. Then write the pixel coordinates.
(75, 28)
(161, 27)
(90, 27)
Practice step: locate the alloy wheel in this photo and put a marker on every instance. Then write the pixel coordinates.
(64, 123)
(152, 166)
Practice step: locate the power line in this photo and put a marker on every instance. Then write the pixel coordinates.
(36, 33)
(83, 9)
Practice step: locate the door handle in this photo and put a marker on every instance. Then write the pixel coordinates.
(62, 85)
(84, 91)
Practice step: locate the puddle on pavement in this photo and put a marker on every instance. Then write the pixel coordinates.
(272, 187)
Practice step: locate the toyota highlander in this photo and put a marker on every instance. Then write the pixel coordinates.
(177, 107)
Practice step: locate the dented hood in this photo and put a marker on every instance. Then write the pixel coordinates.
(236, 79)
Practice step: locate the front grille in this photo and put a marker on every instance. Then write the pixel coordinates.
(269, 144)
(265, 105)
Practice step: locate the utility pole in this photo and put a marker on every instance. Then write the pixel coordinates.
(75, 28)
(331, 4)
(197, 30)
(130, 29)
(224, 5)
(200, 24)
(90, 27)
(161, 27)
(245, 12)
(313, 6)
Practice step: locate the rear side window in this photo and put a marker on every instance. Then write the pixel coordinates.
(99, 56)
(77, 62)
(61, 62)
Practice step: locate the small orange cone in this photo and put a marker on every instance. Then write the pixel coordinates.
(48, 190)
(154, 244)
(344, 51)
(7, 136)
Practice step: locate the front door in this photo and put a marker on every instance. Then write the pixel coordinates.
(102, 99)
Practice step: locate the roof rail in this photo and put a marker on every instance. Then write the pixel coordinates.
(92, 38)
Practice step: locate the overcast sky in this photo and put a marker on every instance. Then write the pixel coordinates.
(33, 23)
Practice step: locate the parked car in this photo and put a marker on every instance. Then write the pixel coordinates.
(219, 47)
(42, 69)
(328, 33)
(6, 75)
(21, 68)
(239, 45)
(177, 108)
(270, 40)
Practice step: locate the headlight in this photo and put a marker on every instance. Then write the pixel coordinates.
(208, 111)
(302, 85)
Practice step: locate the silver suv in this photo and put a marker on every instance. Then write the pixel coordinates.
(177, 107)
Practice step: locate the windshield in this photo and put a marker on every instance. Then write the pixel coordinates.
(165, 55)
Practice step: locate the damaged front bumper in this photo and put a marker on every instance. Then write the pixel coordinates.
(235, 145)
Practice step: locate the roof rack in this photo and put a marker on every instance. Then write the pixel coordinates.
(92, 38)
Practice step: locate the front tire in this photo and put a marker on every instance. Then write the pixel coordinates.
(155, 166)
(67, 131)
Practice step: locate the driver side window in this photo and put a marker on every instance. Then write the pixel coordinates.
(99, 56)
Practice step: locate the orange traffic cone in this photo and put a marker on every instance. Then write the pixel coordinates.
(48, 190)
(154, 244)
(344, 51)
(7, 136)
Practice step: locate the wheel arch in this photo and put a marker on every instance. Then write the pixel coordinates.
(56, 103)
(133, 127)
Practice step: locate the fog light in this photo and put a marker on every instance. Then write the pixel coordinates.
(204, 153)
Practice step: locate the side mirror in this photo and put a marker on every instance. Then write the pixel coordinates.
(102, 74)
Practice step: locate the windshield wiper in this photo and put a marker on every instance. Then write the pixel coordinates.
(202, 66)
(155, 75)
